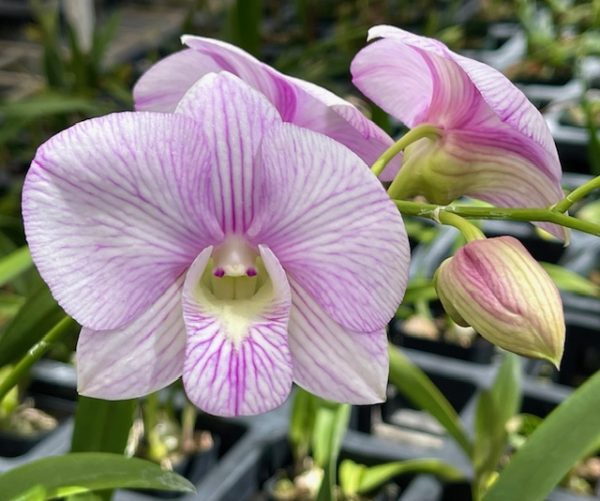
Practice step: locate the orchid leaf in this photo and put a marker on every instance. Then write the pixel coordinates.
(570, 281)
(84, 472)
(103, 36)
(568, 434)
(302, 423)
(376, 476)
(593, 141)
(39, 313)
(244, 24)
(14, 264)
(47, 104)
(494, 409)
(357, 479)
(416, 386)
(331, 423)
(102, 425)
(350, 475)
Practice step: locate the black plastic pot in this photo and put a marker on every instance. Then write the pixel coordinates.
(193, 467)
(225, 433)
(14, 445)
(54, 378)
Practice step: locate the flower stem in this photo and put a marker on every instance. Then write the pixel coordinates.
(35, 353)
(468, 230)
(433, 211)
(577, 194)
(416, 133)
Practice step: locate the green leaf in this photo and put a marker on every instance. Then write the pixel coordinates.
(570, 281)
(49, 103)
(414, 384)
(331, 424)
(376, 476)
(88, 471)
(593, 141)
(302, 422)
(350, 475)
(244, 24)
(36, 493)
(10, 304)
(568, 434)
(103, 36)
(102, 425)
(495, 407)
(39, 313)
(14, 264)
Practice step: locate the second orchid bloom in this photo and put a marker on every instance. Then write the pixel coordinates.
(493, 144)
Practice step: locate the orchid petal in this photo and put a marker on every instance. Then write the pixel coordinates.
(237, 359)
(322, 111)
(115, 210)
(165, 83)
(339, 236)
(235, 118)
(297, 101)
(136, 360)
(331, 361)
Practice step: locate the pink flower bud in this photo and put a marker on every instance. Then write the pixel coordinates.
(495, 286)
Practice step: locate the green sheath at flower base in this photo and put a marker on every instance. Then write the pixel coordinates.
(495, 286)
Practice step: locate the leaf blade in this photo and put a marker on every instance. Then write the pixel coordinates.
(89, 471)
(568, 434)
(422, 392)
(14, 264)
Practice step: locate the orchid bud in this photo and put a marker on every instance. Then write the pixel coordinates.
(495, 286)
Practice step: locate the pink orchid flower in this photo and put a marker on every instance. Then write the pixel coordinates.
(494, 144)
(297, 101)
(219, 244)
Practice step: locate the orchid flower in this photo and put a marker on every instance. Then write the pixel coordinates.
(219, 244)
(493, 144)
(297, 101)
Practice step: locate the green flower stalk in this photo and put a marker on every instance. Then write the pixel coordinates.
(495, 286)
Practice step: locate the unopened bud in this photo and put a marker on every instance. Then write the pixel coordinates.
(495, 286)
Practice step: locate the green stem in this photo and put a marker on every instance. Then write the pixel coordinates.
(35, 353)
(188, 425)
(433, 211)
(416, 133)
(468, 230)
(577, 194)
